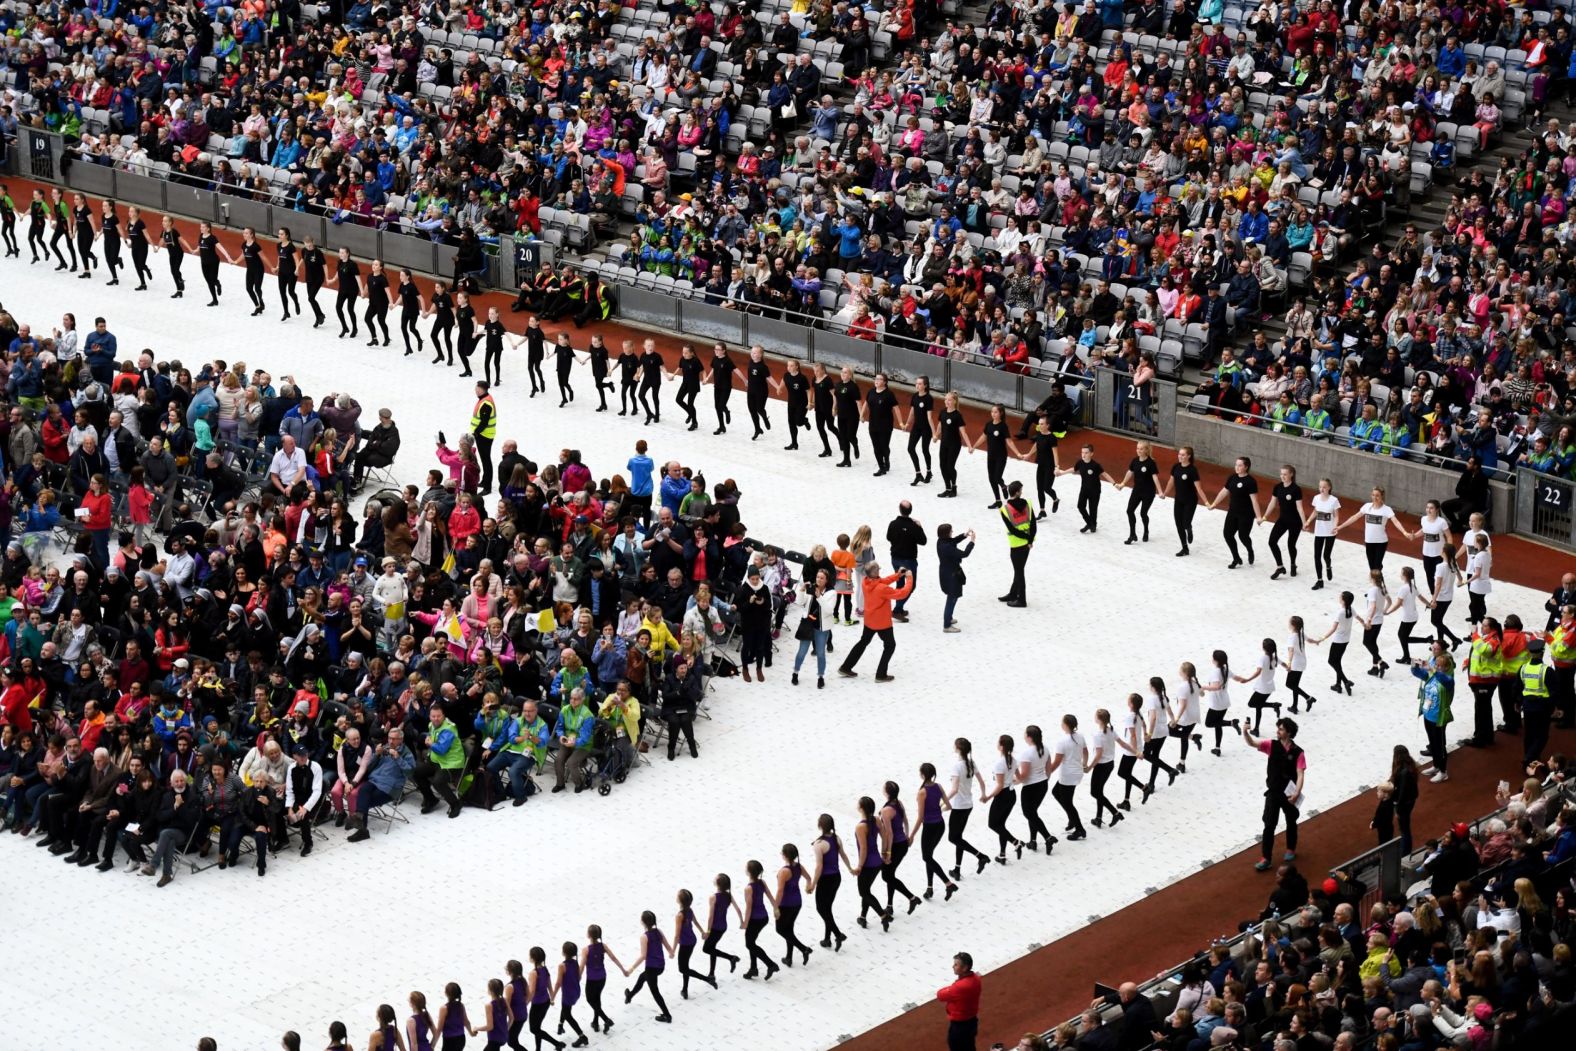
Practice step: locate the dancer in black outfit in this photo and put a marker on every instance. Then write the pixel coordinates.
(82, 226)
(797, 384)
(880, 404)
(441, 310)
(493, 333)
(691, 370)
(285, 273)
(597, 352)
(931, 805)
(953, 433)
(1090, 474)
(8, 222)
(170, 241)
(896, 833)
(1187, 490)
(347, 275)
(315, 266)
(921, 428)
(1290, 519)
(790, 900)
(564, 351)
(1241, 492)
(109, 228)
(411, 305)
(720, 376)
(629, 379)
(758, 385)
(208, 261)
(1141, 476)
(996, 436)
(825, 389)
(652, 369)
(377, 312)
(465, 327)
(252, 257)
(848, 400)
(535, 353)
(137, 238)
(37, 216)
(831, 860)
(60, 217)
(1046, 464)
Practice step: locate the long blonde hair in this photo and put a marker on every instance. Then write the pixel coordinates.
(861, 540)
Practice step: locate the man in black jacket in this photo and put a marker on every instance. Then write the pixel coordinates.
(173, 824)
(1138, 1017)
(60, 804)
(381, 444)
(681, 692)
(905, 536)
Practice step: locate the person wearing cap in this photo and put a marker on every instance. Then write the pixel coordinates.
(1537, 708)
(440, 771)
(379, 447)
(303, 790)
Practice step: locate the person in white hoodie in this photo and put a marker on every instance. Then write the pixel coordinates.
(389, 594)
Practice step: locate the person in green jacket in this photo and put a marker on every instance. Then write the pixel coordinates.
(575, 725)
(1434, 695)
(440, 769)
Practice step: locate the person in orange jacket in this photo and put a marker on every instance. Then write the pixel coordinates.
(1513, 639)
(880, 592)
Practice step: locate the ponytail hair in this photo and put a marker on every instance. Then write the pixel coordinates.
(1004, 745)
(927, 772)
(1071, 722)
(1032, 732)
(1346, 605)
(1102, 718)
(1158, 684)
(1190, 673)
(966, 750)
(891, 791)
(1270, 651)
(1219, 657)
(1377, 577)
(1302, 637)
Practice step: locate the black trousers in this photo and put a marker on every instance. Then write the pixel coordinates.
(312, 288)
(287, 282)
(881, 446)
(139, 261)
(1089, 505)
(919, 445)
(1276, 804)
(1182, 512)
(755, 401)
(996, 472)
(825, 898)
(176, 259)
(823, 425)
(1020, 560)
(1285, 528)
(930, 837)
(1152, 750)
(484, 456)
(686, 400)
(888, 644)
(1483, 712)
(1138, 505)
(949, 464)
(653, 406)
(681, 723)
(961, 1036)
(719, 403)
(1029, 800)
(345, 310)
(1063, 794)
(254, 286)
(210, 275)
(1101, 775)
(1239, 528)
(957, 821)
(1323, 549)
(431, 777)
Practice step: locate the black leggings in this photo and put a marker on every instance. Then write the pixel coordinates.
(407, 327)
(377, 314)
(787, 916)
(918, 446)
(254, 286)
(1239, 528)
(1215, 719)
(996, 471)
(1376, 554)
(1102, 774)
(752, 945)
(1285, 528)
(825, 897)
(867, 900)
(287, 291)
(1045, 483)
(1029, 800)
(566, 393)
(1182, 513)
(85, 246)
(930, 837)
(1294, 684)
(1124, 771)
(823, 424)
(709, 947)
(1001, 806)
(594, 987)
(566, 1016)
(1063, 793)
(1371, 642)
(210, 276)
(1138, 505)
(1256, 704)
(176, 259)
(1437, 619)
(111, 252)
(1186, 732)
(1337, 652)
(39, 248)
(345, 310)
(654, 408)
(442, 338)
(313, 287)
(1323, 548)
(648, 978)
(685, 971)
(1152, 750)
(895, 886)
(533, 371)
(536, 1014)
(949, 464)
(686, 401)
(957, 821)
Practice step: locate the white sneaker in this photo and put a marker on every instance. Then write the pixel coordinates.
(1439, 776)
(952, 630)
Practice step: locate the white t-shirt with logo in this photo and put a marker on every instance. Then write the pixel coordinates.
(1375, 523)
(1325, 507)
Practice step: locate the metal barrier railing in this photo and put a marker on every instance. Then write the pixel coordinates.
(1546, 507)
(1379, 872)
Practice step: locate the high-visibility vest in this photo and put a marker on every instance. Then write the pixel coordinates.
(1016, 523)
(1534, 681)
(1562, 645)
(1484, 661)
(492, 420)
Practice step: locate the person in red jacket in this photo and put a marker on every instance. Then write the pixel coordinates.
(96, 523)
(962, 998)
(14, 711)
(880, 592)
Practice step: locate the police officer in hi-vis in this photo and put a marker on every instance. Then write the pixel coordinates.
(484, 427)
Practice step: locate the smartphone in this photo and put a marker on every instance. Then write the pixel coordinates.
(1504, 787)
(1460, 954)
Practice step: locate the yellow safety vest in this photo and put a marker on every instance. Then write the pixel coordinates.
(492, 420)
(1562, 645)
(1014, 524)
(1533, 680)
(1484, 662)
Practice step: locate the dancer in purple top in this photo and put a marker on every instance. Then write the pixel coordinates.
(519, 1001)
(717, 924)
(756, 898)
(828, 878)
(567, 990)
(386, 1037)
(539, 992)
(593, 966)
(654, 950)
(894, 833)
(867, 841)
(453, 1023)
(684, 936)
(419, 1028)
(496, 1023)
(932, 804)
(789, 902)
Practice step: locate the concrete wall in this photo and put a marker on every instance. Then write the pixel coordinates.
(1408, 486)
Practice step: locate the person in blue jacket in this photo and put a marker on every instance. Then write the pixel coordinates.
(392, 764)
(640, 467)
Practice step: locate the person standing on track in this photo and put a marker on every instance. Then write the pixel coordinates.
(1340, 634)
(1187, 490)
(1284, 772)
(652, 370)
(285, 272)
(1018, 517)
(685, 940)
(252, 260)
(966, 778)
(962, 998)
(867, 844)
(441, 310)
(1241, 493)
(1185, 716)
(597, 352)
(879, 593)
(411, 306)
(897, 842)
(1068, 765)
(137, 238)
(758, 385)
(1029, 761)
(1102, 760)
(905, 536)
(720, 376)
(484, 427)
(172, 245)
(109, 229)
(880, 404)
(564, 353)
(790, 900)
(690, 371)
(756, 899)
(996, 436)
(208, 251)
(950, 552)
(377, 312)
(1286, 499)
(8, 225)
(1295, 663)
(921, 428)
(717, 925)
(1263, 680)
(1434, 695)
(82, 224)
(315, 266)
(1322, 515)
(1046, 464)
(1435, 532)
(654, 951)
(535, 353)
(1377, 517)
(1157, 727)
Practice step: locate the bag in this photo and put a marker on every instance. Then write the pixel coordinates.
(790, 111)
(805, 631)
(723, 667)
